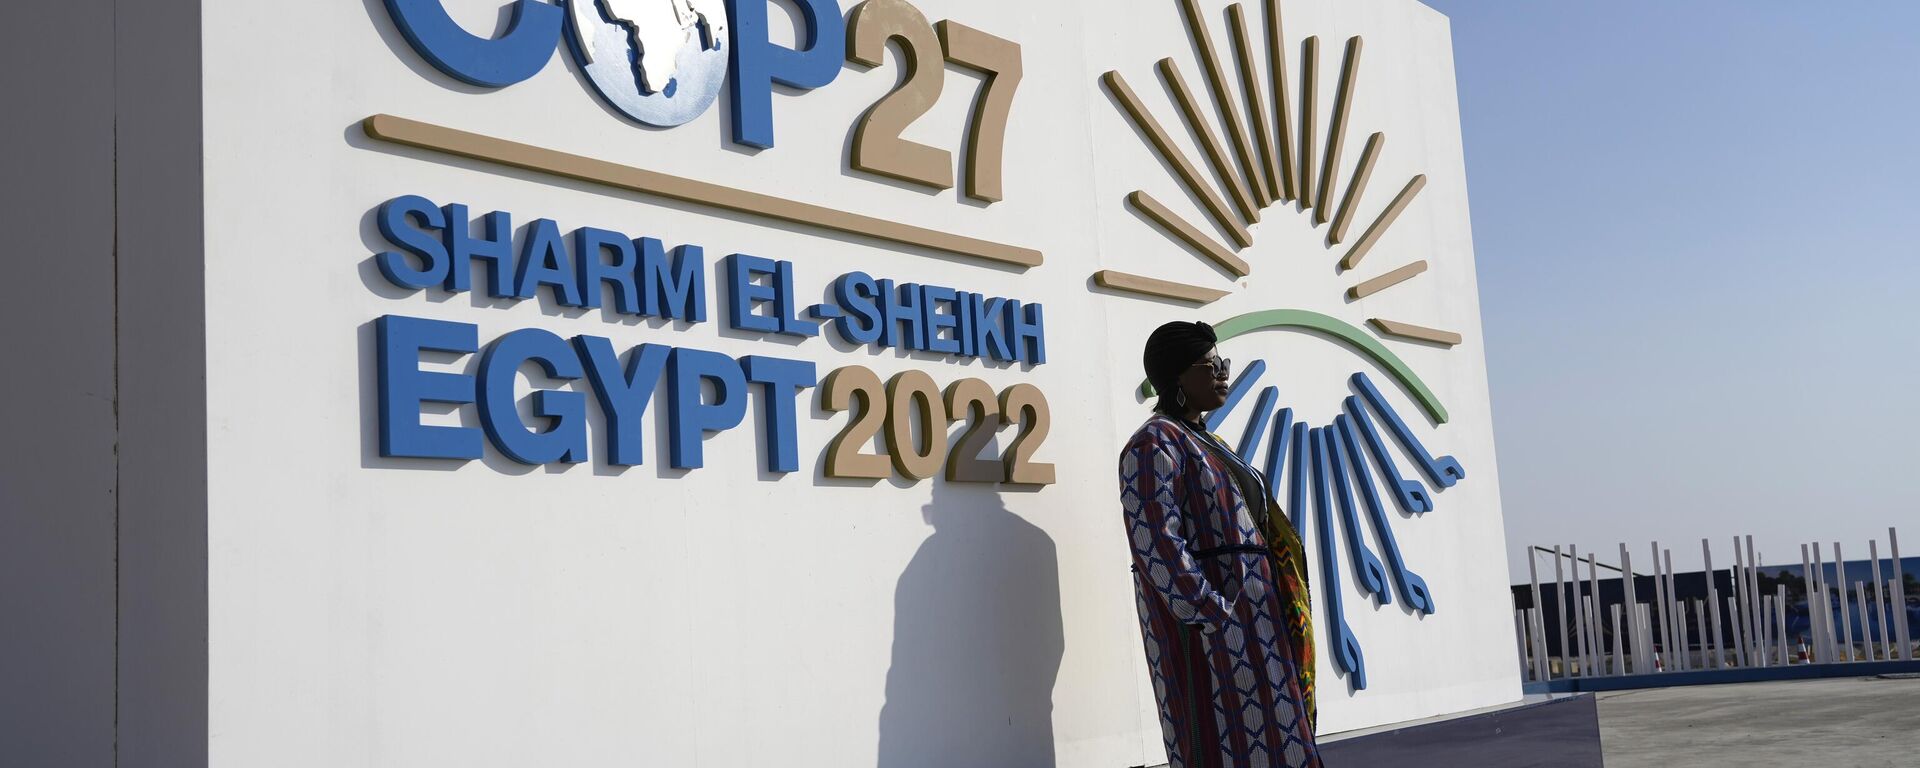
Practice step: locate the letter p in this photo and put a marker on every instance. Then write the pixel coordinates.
(758, 64)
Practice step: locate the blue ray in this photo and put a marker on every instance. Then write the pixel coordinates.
(1346, 649)
(1443, 470)
(1373, 575)
(1297, 493)
(1411, 495)
(1240, 388)
(1277, 454)
(1257, 426)
(1413, 589)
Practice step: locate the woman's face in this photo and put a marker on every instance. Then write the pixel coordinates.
(1206, 382)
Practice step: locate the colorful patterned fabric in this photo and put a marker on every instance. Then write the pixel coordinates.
(1290, 562)
(1220, 610)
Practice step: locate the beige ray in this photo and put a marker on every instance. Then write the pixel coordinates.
(1209, 141)
(1387, 280)
(1256, 101)
(1186, 232)
(1337, 128)
(1355, 188)
(1283, 124)
(1309, 95)
(1157, 135)
(1415, 332)
(1217, 83)
(1148, 286)
(1385, 220)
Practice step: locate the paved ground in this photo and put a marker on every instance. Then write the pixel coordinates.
(1835, 723)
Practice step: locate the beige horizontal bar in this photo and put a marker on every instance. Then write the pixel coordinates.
(1387, 280)
(514, 154)
(1188, 233)
(1147, 286)
(1415, 332)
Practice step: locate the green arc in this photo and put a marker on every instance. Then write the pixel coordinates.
(1340, 331)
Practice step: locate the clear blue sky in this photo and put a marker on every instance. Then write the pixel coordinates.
(1698, 252)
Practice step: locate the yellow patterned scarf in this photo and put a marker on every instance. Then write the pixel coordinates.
(1290, 561)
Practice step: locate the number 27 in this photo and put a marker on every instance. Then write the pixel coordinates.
(877, 145)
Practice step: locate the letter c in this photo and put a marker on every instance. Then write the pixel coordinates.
(531, 37)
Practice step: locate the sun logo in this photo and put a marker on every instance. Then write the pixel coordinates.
(1274, 153)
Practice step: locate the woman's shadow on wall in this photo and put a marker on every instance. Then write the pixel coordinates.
(977, 640)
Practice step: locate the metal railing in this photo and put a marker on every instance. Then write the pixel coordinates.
(1635, 634)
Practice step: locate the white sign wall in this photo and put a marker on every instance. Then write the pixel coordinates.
(376, 610)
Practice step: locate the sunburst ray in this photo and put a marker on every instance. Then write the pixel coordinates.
(1208, 140)
(1355, 188)
(1263, 158)
(1337, 128)
(1187, 233)
(1155, 287)
(1388, 280)
(1382, 222)
(1309, 98)
(1157, 135)
(1283, 124)
(1249, 68)
(1222, 99)
(1415, 332)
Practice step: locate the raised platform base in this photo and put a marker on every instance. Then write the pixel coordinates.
(1541, 730)
(1724, 676)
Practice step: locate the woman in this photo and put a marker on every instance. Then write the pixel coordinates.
(1219, 575)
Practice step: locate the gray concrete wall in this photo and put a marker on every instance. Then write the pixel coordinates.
(163, 408)
(102, 474)
(57, 487)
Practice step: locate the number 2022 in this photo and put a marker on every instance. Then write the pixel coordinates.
(911, 394)
(877, 145)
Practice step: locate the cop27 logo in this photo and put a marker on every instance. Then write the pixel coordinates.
(663, 63)
(1283, 161)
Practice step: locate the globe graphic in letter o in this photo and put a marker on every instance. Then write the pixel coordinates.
(660, 62)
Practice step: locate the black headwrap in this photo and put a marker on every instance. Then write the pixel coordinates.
(1171, 350)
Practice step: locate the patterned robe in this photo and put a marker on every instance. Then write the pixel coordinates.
(1223, 612)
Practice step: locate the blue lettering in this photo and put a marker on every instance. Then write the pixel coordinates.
(403, 387)
(745, 295)
(990, 315)
(758, 64)
(545, 261)
(790, 323)
(899, 307)
(496, 248)
(522, 51)
(855, 293)
(623, 396)
(677, 290)
(931, 297)
(781, 382)
(690, 417)
(1027, 326)
(566, 439)
(968, 312)
(398, 219)
(589, 245)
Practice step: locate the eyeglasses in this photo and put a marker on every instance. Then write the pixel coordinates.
(1220, 366)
